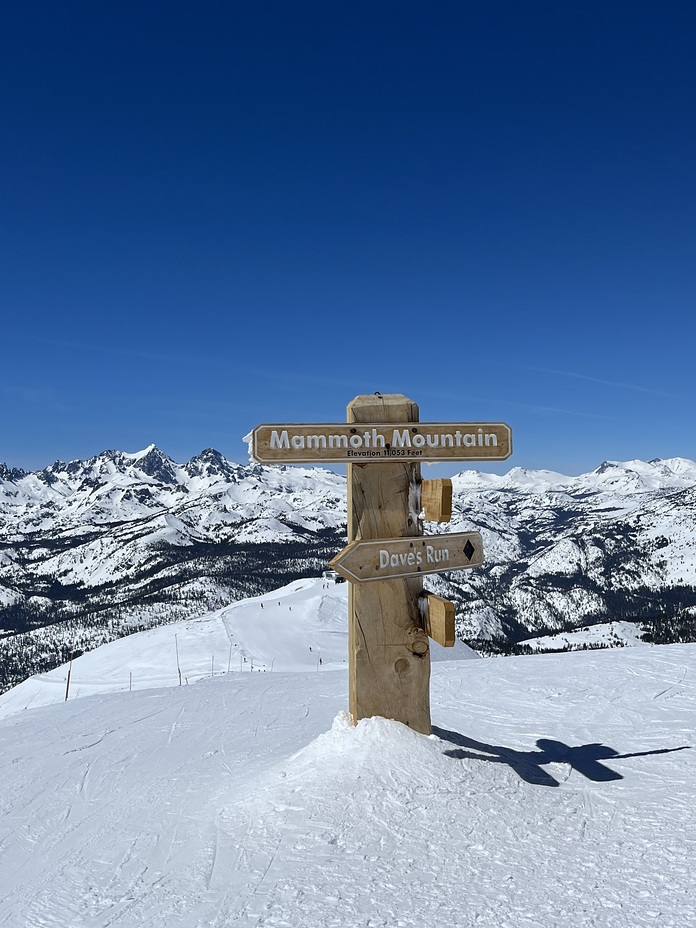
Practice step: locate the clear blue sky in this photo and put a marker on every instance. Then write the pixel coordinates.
(217, 214)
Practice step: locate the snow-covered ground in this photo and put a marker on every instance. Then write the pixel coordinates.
(607, 634)
(556, 790)
(301, 627)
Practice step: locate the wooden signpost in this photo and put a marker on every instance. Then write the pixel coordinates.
(389, 621)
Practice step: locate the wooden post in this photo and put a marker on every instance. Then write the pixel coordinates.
(389, 654)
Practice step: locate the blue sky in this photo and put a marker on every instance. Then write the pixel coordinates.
(221, 214)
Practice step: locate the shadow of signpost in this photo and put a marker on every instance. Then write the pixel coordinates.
(528, 764)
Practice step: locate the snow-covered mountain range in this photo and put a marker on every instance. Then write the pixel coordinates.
(125, 541)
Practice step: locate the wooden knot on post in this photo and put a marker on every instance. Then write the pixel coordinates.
(417, 641)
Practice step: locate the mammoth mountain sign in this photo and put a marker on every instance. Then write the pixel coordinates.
(375, 442)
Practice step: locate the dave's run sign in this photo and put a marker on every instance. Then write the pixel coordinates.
(391, 618)
(386, 558)
(374, 442)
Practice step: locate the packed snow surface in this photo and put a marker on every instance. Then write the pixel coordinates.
(556, 790)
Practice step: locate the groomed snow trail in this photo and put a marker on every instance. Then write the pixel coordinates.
(558, 790)
(300, 627)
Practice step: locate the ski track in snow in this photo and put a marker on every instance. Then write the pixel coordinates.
(557, 790)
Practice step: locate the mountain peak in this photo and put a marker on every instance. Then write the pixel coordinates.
(210, 463)
(604, 467)
(155, 463)
(210, 454)
(11, 473)
(139, 455)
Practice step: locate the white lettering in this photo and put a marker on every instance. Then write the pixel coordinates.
(401, 439)
(409, 443)
(433, 556)
(279, 441)
(383, 558)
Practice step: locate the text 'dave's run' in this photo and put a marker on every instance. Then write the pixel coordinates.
(389, 558)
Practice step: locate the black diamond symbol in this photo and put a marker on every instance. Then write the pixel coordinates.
(469, 550)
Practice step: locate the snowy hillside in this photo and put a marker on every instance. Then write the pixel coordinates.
(300, 628)
(94, 549)
(604, 635)
(556, 790)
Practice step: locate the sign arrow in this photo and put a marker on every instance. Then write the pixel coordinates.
(390, 558)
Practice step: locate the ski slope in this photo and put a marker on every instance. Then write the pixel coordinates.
(301, 627)
(556, 790)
